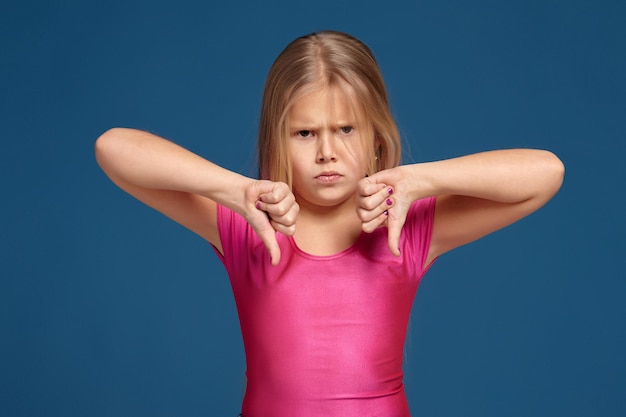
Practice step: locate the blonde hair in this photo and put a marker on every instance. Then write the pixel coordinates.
(318, 60)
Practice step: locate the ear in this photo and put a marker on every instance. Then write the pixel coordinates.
(376, 143)
(377, 149)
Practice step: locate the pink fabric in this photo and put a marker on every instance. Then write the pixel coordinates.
(324, 335)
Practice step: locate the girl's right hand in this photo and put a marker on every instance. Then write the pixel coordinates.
(271, 207)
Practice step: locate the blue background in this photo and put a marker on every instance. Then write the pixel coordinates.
(109, 309)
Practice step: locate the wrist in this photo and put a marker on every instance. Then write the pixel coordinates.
(227, 188)
(420, 181)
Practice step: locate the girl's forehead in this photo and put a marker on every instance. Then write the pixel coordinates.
(326, 104)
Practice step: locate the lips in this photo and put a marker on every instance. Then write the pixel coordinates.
(328, 177)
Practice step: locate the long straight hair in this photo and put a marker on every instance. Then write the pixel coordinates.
(325, 59)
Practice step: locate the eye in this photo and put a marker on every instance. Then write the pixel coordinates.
(303, 133)
(346, 129)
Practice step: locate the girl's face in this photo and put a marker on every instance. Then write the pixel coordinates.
(326, 137)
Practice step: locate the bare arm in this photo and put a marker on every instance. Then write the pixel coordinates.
(186, 187)
(476, 194)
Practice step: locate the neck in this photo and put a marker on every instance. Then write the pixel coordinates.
(341, 209)
(327, 230)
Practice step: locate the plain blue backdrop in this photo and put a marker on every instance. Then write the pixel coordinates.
(109, 309)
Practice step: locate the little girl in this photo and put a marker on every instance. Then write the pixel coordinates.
(326, 250)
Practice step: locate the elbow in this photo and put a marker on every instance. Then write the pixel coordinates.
(105, 139)
(557, 168)
(553, 173)
(107, 143)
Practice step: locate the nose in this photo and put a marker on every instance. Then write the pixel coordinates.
(326, 148)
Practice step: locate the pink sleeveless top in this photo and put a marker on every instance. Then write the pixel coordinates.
(324, 335)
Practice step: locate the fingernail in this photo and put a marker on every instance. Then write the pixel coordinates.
(389, 190)
(389, 202)
(386, 212)
(258, 205)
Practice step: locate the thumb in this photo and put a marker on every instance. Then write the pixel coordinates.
(394, 228)
(268, 236)
(260, 220)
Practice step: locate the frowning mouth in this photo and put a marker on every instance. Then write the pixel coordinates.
(328, 177)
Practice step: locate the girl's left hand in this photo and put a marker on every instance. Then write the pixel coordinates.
(382, 201)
